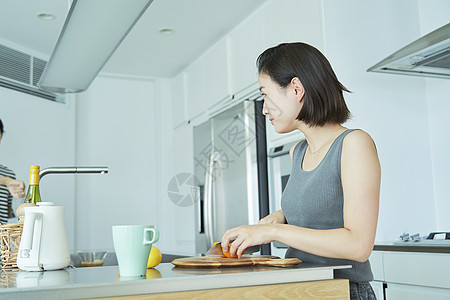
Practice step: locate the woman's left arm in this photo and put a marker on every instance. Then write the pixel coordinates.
(360, 176)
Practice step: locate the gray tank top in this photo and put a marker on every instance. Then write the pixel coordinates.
(314, 199)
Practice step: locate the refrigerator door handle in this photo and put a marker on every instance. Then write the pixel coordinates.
(208, 199)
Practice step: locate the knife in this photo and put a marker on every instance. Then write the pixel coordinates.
(216, 250)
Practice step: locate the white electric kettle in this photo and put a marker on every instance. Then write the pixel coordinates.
(43, 245)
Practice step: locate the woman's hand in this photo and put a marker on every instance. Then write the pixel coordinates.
(274, 218)
(246, 236)
(251, 235)
(16, 188)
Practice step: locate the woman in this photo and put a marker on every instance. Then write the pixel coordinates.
(330, 203)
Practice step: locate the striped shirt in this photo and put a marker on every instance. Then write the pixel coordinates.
(5, 195)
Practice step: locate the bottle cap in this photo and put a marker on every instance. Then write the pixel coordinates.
(34, 174)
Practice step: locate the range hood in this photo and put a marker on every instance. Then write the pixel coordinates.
(429, 56)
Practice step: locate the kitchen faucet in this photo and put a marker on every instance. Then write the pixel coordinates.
(72, 170)
(61, 170)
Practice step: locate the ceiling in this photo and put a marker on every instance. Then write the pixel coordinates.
(145, 52)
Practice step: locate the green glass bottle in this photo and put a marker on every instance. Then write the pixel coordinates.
(33, 196)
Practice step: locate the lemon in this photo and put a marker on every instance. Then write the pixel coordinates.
(154, 258)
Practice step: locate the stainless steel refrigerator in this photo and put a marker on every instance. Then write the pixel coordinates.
(230, 156)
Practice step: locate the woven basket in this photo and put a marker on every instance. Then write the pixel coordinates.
(9, 244)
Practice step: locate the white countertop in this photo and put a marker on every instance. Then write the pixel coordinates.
(105, 282)
(431, 246)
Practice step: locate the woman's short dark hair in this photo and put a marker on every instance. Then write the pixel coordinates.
(324, 100)
(1, 127)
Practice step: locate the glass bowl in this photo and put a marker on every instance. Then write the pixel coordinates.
(92, 258)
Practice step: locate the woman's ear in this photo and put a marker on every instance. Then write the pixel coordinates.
(298, 87)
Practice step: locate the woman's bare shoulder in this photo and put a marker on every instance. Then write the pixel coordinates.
(358, 147)
(358, 138)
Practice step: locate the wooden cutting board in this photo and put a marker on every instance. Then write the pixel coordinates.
(250, 260)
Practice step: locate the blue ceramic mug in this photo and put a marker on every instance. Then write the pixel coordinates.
(132, 244)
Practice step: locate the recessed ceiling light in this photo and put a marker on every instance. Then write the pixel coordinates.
(46, 16)
(167, 31)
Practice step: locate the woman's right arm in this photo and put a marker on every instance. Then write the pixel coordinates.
(15, 187)
(274, 218)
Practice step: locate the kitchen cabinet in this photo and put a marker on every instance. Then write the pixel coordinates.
(195, 89)
(206, 85)
(403, 267)
(218, 91)
(403, 291)
(411, 275)
(177, 87)
(246, 43)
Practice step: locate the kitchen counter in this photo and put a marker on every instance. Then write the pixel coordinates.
(104, 281)
(429, 246)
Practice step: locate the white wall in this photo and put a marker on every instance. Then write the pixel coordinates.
(118, 125)
(41, 132)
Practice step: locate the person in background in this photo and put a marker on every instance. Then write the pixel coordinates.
(330, 204)
(9, 187)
